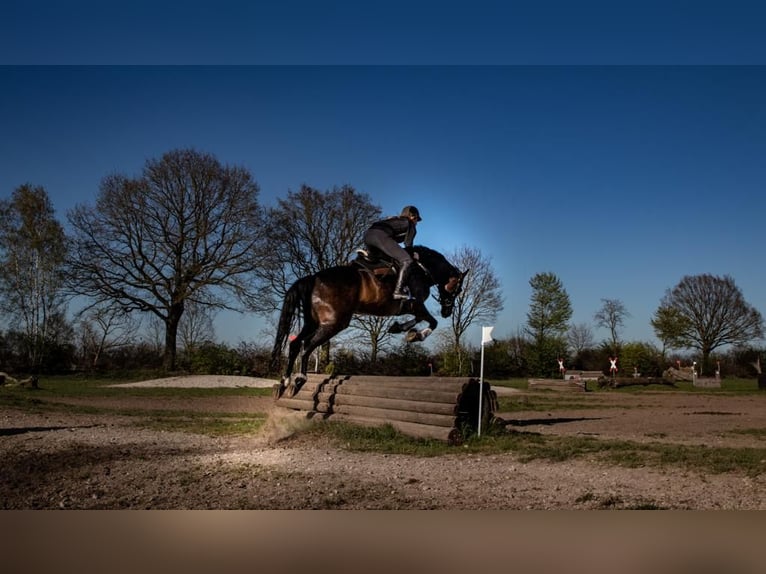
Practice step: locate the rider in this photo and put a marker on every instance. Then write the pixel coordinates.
(386, 235)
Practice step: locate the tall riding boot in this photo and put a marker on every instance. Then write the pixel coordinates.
(401, 291)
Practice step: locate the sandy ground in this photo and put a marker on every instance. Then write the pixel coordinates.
(103, 460)
(208, 381)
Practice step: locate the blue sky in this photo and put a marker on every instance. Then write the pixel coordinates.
(618, 178)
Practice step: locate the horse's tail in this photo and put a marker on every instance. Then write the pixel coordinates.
(297, 303)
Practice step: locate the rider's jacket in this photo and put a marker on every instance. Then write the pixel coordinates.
(399, 228)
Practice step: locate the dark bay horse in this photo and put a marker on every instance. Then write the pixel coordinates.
(326, 301)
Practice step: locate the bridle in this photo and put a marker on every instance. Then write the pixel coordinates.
(444, 297)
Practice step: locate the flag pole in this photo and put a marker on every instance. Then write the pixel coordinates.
(486, 336)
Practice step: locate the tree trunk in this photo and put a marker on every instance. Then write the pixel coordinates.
(171, 336)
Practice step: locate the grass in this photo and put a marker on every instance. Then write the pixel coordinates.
(533, 446)
(759, 433)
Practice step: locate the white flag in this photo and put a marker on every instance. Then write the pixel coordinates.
(486, 335)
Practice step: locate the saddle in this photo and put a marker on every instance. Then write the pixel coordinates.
(375, 262)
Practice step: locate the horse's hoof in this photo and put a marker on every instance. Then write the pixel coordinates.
(395, 328)
(412, 336)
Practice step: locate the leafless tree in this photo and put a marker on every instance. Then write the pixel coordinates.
(311, 230)
(612, 316)
(377, 338)
(713, 313)
(580, 337)
(196, 326)
(480, 301)
(187, 229)
(105, 328)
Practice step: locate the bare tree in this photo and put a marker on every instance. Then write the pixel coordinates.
(188, 229)
(196, 326)
(376, 331)
(480, 300)
(105, 328)
(713, 313)
(612, 316)
(32, 257)
(580, 337)
(311, 230)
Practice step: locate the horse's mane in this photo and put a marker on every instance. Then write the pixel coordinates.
(427, 251)
(427, 255)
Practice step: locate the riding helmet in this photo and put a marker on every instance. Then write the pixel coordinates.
(411, 211)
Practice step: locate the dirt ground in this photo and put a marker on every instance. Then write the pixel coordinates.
(105, 461)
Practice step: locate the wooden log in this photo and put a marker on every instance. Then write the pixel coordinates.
(395, 415)
(400, 393)
(296, 403)
(323, 407)
(441, 408)
(396, 404)
(317, 378)
(584, 375)
(429, 383)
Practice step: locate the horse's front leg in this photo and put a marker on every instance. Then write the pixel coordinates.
(398, 327)
(422, 314)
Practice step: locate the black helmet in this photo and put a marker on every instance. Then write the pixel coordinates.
(411, 211)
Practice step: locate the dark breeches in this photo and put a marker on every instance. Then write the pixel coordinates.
(380, 240)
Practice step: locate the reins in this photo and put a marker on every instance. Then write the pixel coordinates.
(438, 297)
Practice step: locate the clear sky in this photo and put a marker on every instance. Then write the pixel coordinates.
(583, 156)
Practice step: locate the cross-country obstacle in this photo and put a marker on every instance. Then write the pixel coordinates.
(441, 408)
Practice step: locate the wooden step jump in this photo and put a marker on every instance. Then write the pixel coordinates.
(442, 408)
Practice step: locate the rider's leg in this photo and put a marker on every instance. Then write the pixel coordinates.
(401, 291)
(379, 239)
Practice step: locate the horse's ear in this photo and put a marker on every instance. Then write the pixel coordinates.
(464, 273)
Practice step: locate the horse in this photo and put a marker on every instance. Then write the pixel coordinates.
(328, 300)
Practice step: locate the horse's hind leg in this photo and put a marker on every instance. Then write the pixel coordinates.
(322, 334)
(294, 349)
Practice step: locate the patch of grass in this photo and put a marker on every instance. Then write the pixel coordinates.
(532, 446)
(756, 432)
(385, 439)
(521, 384)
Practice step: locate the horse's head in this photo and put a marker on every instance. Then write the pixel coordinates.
(449, 291)
(447, 278)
